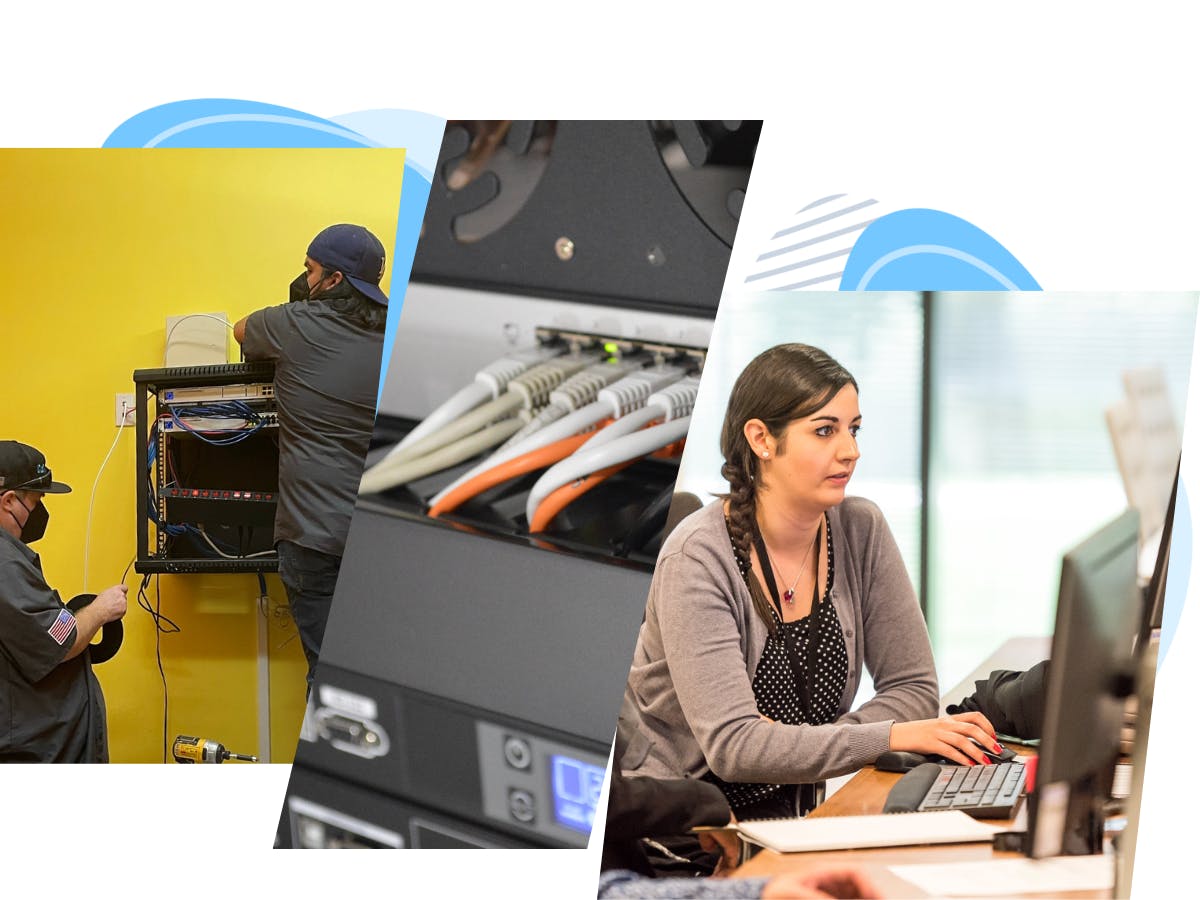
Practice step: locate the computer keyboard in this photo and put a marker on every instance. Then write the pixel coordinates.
(985, 792)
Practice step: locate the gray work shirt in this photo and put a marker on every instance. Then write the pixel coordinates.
(326, 379)
(50, 710)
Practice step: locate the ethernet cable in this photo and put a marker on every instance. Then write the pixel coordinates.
(490, 382)
(375, 480)
(590, 465)
(87, 540)
(580, 390)
(672, 403)
(616, 401)
(527, 393)
(669, 402)
(539, 458)
(651, 520)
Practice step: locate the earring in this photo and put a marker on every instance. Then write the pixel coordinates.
(765, 454)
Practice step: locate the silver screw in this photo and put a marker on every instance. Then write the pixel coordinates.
(564, 247)
(655, 256)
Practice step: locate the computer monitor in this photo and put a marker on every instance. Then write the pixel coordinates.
(1152, 614)
(1090, 675)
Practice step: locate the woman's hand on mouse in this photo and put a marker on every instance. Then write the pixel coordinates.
(959, 738)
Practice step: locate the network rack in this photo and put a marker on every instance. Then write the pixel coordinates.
(595, 525)
(207, 468)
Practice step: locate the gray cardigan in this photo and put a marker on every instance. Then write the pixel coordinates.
(689, 690)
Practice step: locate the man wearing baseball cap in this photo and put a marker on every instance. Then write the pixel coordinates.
(51, 707)
(326, 345)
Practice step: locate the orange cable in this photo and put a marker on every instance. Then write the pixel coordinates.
(541, 458)
(559, 499)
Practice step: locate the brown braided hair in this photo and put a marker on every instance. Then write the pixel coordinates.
(780, 385)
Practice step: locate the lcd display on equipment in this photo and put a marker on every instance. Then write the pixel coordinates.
(576, 786)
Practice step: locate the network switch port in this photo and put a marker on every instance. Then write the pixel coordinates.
(216, 393)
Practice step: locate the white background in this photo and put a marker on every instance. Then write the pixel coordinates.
(1066, 132)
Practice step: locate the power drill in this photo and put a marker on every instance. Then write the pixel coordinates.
(201, 750)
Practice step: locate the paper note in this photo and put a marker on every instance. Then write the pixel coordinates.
(849, 832)
(1008, 877)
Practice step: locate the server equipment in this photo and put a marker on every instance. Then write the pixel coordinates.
(485, 617)
(207, 468)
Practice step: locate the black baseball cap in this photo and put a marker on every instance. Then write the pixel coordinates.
(23, 468)
(356, 253)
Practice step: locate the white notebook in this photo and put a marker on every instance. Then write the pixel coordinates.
(853, 832)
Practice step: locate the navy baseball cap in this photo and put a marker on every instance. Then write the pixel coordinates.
(23, 468)
(356, 253)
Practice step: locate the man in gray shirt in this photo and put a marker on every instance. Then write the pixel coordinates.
(51, 705)
(326, 345)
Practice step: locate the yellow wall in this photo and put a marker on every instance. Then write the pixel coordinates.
(99, 247)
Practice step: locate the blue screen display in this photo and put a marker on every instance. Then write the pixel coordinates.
(576, 786)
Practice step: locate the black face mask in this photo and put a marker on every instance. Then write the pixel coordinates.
(298, 290)
(35, 523)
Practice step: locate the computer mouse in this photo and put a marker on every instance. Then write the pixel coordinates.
(900, 761)
(1005, 754)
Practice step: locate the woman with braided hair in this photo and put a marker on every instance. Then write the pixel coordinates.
(765, 607)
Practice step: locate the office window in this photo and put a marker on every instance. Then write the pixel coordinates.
(1022, 465)
(878, 338)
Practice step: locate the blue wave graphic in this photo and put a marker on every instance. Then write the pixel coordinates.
(231, 123)
(928, 250)
(213, 123)
(1178, 573)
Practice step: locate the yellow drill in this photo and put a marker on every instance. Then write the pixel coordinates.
(201, 750)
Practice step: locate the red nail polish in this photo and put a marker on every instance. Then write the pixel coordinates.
(999, 749)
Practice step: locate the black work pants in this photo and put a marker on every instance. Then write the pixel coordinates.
(309, 577)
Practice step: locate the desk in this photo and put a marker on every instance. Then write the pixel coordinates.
(865, 793)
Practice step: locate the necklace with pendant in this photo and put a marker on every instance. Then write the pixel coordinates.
(789, 595)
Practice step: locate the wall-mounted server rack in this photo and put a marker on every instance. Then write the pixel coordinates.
(207, 468)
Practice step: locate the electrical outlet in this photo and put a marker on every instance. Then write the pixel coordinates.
(124, 410)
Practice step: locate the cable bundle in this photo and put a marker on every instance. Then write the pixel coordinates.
(231, 411)
(483, 427)
(490, 382)
(611, 450)
(553, 442)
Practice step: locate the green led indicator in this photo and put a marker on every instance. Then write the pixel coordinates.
(610, 347)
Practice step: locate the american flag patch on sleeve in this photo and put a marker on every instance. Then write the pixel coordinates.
(62, 626)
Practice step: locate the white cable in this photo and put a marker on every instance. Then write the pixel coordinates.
(583, 463)
(377, 480)
(634, 391)
(462, 402)
(635, 421)
(669, 403)
(87, 540)
(502, 407)
(615, 400)
(529, 390)
(578, 391)
(678, 399)
(219, 552)
(490, 382)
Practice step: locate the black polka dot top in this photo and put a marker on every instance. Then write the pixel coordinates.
(800, 678)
